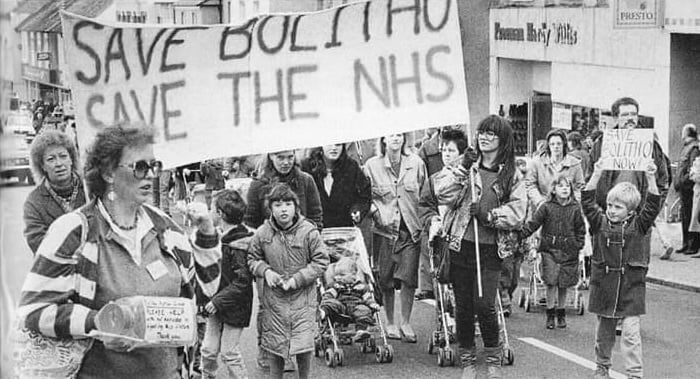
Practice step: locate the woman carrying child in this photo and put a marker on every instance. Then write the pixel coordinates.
(288, 252)
(563, 235)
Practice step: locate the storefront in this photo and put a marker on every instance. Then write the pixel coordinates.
(682, 22)
(558, 67)
(40, 85)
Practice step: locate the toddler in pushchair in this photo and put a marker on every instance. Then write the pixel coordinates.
(348, 297)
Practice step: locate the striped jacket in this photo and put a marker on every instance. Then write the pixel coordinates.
(57, 298)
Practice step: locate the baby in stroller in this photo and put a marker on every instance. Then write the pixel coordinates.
(348, 297)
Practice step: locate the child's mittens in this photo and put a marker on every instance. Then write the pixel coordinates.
(272, 278)
(290, 284)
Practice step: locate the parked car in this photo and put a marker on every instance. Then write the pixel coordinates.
(20, 123)
(14, 158)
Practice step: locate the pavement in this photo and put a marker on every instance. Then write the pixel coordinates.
(681, 271)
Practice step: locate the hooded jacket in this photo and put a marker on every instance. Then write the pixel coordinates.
(234, 300)
(288, 317)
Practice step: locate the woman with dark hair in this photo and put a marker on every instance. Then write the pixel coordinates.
(555, 161)
(397, 178)
(129, 249)
(55, 164)
(499, 207)
(344, 189)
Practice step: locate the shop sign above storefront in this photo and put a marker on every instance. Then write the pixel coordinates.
(560, 33)
(682, 16)
(636, 13)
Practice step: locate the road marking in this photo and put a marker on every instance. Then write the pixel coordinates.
(568, 356)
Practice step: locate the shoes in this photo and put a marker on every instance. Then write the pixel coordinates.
(601, 373)
(361, 335)
(561, 318)
(667, 255)
(424, 295)
(507, 311)
(550, 318)
(392, 332)
(408, 334)
(689, 252)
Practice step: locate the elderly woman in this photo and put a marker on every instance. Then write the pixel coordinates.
(54, 163)
(554, 161)
(131, 249)
(344, 189)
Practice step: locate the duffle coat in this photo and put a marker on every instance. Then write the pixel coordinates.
(288, 317)
(562, 237)
(620, 259)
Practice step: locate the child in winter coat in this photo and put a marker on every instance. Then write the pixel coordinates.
(288, 252)
(562, 236)
(348, 295)
(229, 310)
(619, 267)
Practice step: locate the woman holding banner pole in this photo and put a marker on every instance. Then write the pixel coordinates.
(494, 194)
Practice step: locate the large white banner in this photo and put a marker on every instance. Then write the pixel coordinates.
(276, 82)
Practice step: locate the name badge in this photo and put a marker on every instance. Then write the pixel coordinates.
(157, 269)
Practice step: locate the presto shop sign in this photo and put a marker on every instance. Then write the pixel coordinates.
(274, 82)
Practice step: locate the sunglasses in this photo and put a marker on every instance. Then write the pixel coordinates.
(141, 168)
(487, 134)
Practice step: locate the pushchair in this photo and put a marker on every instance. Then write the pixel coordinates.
(335, 330)
(444, 333)
(535, 293)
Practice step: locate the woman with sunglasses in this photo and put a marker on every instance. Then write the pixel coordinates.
(55, 164)
(499, 207)
(131, 249)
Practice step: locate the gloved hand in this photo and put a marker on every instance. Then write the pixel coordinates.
(469, 158)
(290, 284)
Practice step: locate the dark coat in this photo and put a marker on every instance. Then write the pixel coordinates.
(350, 192)
(40, 210)
(682, 182)
(620, 259)
(429, 152)
(562, 237)
(234, 300)
(301, 183)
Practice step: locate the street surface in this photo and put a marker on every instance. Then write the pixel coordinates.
(670, 333)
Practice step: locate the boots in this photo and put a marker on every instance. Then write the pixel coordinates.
(550, 318)
(494, 356)
(468, 359)
(561, 318)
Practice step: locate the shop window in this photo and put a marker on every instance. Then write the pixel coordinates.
(194, 18)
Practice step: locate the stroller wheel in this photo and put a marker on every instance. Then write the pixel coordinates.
(379, 354)
(581, 305)
(441, 357)
(339, 357)
(329, 357)
(449, 356)
(389, 354)
(508, 356)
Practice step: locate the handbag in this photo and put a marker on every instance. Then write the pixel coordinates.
(441, 256)
(38, 356)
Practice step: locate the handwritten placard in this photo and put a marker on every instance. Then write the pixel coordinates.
(274, 82)
(170, 321)
(627, 149)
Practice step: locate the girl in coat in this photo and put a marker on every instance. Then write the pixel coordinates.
(288, 252)
(563, 235)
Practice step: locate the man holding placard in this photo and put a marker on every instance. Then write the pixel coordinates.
(626, 151)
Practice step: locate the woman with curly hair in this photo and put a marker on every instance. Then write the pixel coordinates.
(130, 248)
(55, 165)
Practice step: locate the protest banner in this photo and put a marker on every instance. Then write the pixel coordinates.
(276, 82)
(627, 149)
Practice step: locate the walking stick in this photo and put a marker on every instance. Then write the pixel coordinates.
(476, 223)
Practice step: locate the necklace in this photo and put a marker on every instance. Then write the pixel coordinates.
(66, 204)
(122, 227)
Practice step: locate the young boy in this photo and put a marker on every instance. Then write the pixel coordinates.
(230, 309)
(619, 265)
(349, 295)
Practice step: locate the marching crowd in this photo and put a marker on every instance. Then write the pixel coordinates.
(119, 240)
